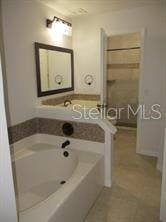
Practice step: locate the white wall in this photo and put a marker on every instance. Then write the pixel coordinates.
(86, 48)
(7, 204)
(23, 24)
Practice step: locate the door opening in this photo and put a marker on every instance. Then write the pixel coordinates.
(123, 71)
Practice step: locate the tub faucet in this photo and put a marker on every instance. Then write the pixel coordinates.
(66, 143)
(67, 102)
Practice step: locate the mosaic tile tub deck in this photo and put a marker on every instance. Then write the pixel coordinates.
(84, 131)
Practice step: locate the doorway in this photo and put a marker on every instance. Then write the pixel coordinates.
(123, 72)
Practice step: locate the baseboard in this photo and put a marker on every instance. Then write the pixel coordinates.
(126, 128)
(123, 124)
(147, 153)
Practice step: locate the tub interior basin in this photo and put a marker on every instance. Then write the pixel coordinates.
(40, 171)
(36, 194)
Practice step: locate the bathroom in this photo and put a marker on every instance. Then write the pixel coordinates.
(68, 162)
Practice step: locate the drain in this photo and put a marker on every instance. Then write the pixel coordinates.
(63, 182)
(66, 154)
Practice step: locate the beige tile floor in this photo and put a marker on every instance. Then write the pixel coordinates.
(135, 194)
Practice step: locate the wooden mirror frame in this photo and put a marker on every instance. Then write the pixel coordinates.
(38, 46)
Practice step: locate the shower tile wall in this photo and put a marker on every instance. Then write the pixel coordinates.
(123, 75)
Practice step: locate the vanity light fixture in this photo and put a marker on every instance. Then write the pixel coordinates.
(59, 25)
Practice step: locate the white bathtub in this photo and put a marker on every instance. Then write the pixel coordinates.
(39, 172)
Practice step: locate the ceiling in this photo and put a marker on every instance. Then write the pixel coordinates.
(83, 7)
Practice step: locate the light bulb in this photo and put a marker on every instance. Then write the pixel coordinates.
(60, 28)
(67, 30)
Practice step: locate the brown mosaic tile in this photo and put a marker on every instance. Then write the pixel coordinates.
(22, 130)
(84, 131)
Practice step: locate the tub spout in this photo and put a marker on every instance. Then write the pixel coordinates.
(67, 102)
(66, 143)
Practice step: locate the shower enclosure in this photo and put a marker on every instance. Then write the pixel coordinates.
(123, 59)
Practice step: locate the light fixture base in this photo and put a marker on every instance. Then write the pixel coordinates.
(48, 23)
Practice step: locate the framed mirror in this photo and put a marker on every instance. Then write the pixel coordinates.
(54, 69)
